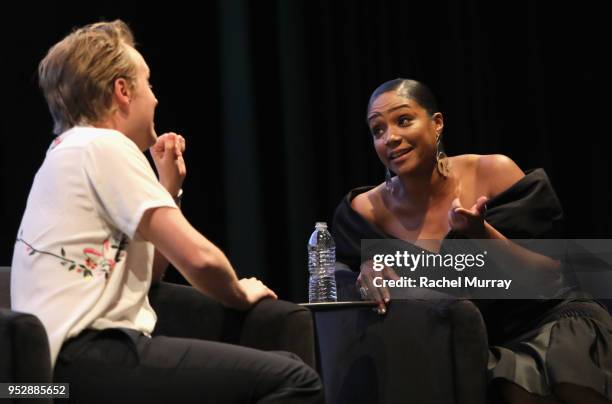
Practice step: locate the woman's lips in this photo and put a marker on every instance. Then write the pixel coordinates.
(397, 155)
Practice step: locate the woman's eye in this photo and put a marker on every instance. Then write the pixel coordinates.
(377, 131)
(403, 121)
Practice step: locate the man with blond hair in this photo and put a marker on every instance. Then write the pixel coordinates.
(99, 227)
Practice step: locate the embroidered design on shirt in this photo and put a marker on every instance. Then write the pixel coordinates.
(55, 142)
(94, 263)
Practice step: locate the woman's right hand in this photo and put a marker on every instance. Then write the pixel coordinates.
(254, 290)
(365, 285)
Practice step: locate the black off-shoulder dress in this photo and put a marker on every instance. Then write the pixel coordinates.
(533, 343)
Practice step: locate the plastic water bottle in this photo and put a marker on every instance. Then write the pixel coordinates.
(321, 264)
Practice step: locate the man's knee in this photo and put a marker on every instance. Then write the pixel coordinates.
(303, 382)
(299, 373)
(309, 377)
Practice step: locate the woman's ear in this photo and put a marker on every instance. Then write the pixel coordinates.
(438, 121)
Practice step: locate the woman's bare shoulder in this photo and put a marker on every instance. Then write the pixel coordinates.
(464, 161)
(493, 172)
(499, 172)
(366, 203)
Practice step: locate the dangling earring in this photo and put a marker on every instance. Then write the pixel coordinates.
(388, 183)
(441, 158)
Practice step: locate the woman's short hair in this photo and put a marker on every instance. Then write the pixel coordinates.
(410, 89)
(78, 73)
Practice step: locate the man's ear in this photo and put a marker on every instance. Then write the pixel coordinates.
(122, 93)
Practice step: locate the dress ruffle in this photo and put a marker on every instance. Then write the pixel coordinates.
(571, 348)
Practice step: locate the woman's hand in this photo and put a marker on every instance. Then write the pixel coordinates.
(167, 154)
(365, 285)
(469, 222)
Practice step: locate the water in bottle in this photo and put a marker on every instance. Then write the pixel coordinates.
(321, 264)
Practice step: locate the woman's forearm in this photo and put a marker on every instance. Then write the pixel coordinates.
(537, 268)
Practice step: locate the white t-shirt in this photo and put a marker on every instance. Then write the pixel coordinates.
(78, 262)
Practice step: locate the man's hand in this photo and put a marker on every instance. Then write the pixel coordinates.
(254, 290)
(167, 154)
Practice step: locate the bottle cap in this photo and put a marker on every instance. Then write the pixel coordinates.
(321, 225)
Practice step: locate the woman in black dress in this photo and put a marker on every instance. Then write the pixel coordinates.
(542, 351)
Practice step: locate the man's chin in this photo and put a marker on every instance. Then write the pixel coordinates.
(152, 138)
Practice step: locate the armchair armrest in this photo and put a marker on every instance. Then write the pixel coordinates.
(470, 349)
(270, 325)
(184, 312)
(25, 355)
(280, 325)
(422, 351)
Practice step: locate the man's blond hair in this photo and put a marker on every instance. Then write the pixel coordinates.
(78, 73)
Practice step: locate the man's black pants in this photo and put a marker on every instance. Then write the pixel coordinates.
(121, 365)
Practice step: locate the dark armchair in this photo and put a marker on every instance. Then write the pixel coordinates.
(271, 325)
(24, 348)
(182, 311)
(421, 351)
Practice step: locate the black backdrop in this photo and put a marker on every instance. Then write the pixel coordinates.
(271, 97)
